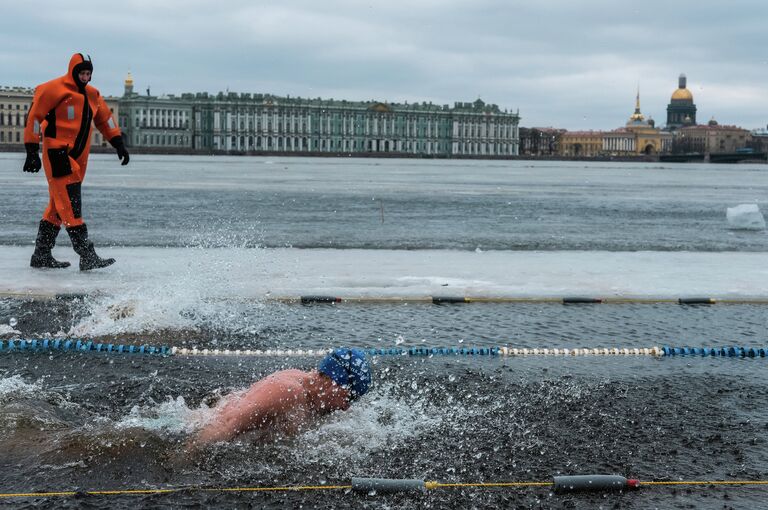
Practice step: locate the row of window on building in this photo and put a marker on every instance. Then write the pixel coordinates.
(17, 136)
(297, 144)
(161, 118)
(334, 124)
(300, 144)
(10, 136)
(12, 119)
(12, 115)
(160, 140)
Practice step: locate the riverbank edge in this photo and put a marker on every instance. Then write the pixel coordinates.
(369, 155)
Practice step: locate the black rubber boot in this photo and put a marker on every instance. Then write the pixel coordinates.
(83, 247)
(46, 240)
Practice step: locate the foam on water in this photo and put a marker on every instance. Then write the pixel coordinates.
(30, 406)
(15, 387)
(141, 310)
(162, 310)
(172, 416)
(196, 293)
(6, 329)
(377, 422)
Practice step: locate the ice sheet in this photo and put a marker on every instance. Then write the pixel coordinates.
(232, 273)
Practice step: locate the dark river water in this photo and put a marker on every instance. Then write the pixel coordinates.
(92, 421)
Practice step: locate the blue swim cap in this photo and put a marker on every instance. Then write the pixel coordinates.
(349, 368)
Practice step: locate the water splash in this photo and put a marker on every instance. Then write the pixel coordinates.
(15, 387)
(172, 416)
(198, 295)
(8, 329)
(377, 422)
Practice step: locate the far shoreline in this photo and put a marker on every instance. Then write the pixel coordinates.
(655, 158)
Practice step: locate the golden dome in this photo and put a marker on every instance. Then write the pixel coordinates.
(682, 95)
(129, 79)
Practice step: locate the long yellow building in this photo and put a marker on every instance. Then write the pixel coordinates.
(581, 144)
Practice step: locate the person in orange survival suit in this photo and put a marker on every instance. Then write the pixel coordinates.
(62, 111)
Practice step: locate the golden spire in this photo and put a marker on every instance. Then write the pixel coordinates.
(637, 116)
(129, 80)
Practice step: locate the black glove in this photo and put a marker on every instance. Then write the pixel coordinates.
(32, 164)
(117, 143)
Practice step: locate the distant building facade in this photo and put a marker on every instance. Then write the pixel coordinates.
(149, 121)
(759, 141)
(539, 141)
(259, 123)
(14, 106)
(711, 138)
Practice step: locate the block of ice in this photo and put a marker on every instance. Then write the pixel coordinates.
(745, 217)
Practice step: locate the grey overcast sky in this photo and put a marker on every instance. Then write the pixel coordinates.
(574, 64)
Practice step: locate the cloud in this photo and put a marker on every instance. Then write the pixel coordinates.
(562, 63)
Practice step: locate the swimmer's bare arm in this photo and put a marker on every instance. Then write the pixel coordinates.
(253, 410)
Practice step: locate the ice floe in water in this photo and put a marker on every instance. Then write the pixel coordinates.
(745, 217)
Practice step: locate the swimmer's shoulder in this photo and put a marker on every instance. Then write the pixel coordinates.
(288, 378)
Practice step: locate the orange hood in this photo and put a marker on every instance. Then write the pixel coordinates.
(78, 63)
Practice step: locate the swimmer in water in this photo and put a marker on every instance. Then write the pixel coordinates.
(288, 401)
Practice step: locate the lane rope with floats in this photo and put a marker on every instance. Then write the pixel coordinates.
(567, 300)
(81, 345)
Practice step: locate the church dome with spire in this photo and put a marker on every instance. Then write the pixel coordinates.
(681, 109)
